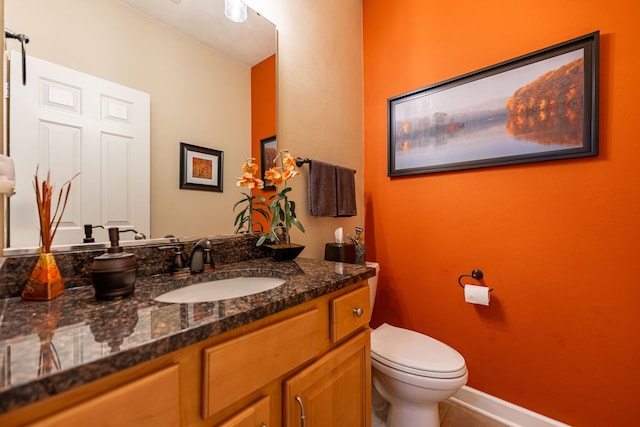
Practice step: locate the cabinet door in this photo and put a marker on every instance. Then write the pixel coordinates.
(333, 391)
(255, 415)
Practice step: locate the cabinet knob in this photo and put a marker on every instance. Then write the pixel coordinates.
(358, 311)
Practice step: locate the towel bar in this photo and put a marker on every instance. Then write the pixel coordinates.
(300, 161)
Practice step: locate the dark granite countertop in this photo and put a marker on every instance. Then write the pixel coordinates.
(49, 347)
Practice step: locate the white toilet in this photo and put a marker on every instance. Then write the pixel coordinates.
(412, 372)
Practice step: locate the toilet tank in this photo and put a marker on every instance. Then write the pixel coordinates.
(373, 283)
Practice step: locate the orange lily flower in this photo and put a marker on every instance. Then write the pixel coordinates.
(249, 181)
(250, 167)
(288, 161)
(248, 178)
(289, 173)
(274, 175)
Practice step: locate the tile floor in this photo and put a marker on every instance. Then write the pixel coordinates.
(454, 415)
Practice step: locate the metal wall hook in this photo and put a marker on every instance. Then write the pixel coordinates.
(23, 41)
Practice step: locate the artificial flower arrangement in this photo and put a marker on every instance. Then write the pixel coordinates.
(45, 281)
(254, 203)
(280, 213)
(283, 210)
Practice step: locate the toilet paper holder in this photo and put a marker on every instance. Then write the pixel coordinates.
(475, 274)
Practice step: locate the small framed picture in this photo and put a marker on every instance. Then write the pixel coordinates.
(200, 168)
(268, 153)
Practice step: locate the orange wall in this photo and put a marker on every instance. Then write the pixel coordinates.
(263, 113)
(263, 103)
(557, 240)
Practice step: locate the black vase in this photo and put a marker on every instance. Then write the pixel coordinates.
(285, 252)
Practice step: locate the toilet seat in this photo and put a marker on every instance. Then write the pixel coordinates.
(414, 353)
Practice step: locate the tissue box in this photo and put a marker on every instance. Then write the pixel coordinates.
(340, 252)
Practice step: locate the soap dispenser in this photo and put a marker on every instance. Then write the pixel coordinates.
(114, 272)
(88, 233)
(361, 248)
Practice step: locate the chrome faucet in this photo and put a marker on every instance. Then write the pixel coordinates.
(200, 259)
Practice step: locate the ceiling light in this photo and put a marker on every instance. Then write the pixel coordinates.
(235, 10)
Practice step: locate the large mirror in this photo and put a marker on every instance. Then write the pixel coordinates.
(201, 72)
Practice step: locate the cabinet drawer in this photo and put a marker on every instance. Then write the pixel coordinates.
(243, 365)
(149, 401)
(349, 312)
(254, 415)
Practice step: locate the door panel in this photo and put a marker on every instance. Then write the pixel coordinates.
(334, 391)
(68, 122)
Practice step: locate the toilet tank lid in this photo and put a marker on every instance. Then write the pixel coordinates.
(414, 352)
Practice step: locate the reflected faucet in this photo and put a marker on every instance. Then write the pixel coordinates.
(138, 236)
(200, 260)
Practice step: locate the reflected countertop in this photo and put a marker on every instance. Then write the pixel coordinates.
(50, 347)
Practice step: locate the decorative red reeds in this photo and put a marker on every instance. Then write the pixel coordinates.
(44, 197)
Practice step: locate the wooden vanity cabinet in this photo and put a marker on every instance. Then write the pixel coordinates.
(323, 371)
(250, 376)
(333, 391)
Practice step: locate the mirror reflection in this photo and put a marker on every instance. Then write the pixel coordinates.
(197, 94)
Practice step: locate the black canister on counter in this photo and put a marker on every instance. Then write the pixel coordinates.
(340, 252)
(114, 272)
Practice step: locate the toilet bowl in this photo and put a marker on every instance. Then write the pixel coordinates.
(412, 372)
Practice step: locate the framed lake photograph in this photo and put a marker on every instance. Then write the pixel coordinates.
(200, 168)
(537, 107)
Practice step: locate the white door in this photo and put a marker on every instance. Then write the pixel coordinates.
(68, 122)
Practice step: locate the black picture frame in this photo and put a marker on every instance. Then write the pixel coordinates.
(200, 168)
(268, 153)
(537, 107)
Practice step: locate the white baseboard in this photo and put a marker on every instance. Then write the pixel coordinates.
(501, 410)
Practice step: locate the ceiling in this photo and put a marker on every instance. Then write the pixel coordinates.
(250, 42)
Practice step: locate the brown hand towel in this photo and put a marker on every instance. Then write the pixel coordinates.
(346, 191)
(322, 189)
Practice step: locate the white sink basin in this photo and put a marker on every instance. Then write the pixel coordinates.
(217, 290)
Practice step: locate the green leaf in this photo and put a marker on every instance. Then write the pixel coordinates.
(284, 191)
(297, 223)
(238, 217)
